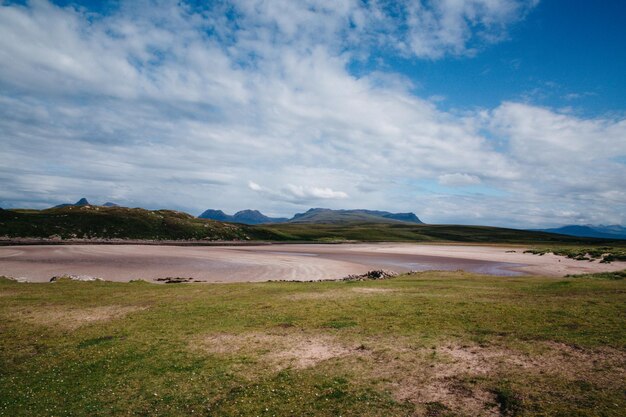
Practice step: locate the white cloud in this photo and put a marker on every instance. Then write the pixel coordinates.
(458, 180)
(298, 194)
(435, 29)
(254, 186)
(306, 193)
(562, 153)
(162, 50)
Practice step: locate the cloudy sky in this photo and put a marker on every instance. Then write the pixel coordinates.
(497, 112)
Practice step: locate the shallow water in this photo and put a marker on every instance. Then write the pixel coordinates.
(405, 263)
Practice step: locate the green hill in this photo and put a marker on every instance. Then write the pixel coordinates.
(406, 232)
(98, 222)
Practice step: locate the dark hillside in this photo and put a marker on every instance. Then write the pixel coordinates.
(114, 222)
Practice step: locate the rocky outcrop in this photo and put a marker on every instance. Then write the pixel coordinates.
(377, 274)
(86, 278)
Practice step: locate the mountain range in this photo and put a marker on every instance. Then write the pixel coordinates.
(314, 215)
(589, 230)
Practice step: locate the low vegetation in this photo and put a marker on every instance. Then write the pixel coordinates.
(604, 254)
(425, 344)
(601, 275)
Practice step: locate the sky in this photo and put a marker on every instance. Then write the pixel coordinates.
(495, 112)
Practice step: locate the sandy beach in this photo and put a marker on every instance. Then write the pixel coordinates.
(277, 262)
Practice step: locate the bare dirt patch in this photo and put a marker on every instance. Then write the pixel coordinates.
(373, 290)
(455, 378)
(73, 318)
(446, 379)
(435, 384)
(603, 366)
(278, 350)
(309, 352)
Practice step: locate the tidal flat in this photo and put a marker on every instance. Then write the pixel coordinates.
(300, 262)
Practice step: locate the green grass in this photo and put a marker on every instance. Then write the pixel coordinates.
(605, 254)
(407, 232)
(524, 346)
(601, 275)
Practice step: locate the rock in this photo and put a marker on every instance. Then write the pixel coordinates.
(16, 279)
(86, 278)
(174, 280)
(371, 275)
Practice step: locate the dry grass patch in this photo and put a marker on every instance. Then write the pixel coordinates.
(459, 378)
(367, 290)
(277, 350)
(73, 318)
(433, 380)
(318, 295)
(340, 293)
(604, 366)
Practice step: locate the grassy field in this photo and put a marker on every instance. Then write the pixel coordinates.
(407, 232)
(427, 344)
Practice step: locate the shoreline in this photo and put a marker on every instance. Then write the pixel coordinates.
(148, 242)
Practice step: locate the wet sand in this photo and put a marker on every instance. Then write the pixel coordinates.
(276, 262)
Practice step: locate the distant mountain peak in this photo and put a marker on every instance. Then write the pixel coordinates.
(589, 230)
(248, 211)
(82, 202)
(218, 215)
(247, 216)
(325, 215)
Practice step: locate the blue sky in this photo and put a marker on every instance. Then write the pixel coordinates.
(498, 112)
(563, 54)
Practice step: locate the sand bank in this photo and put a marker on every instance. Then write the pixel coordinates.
(276, 262)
